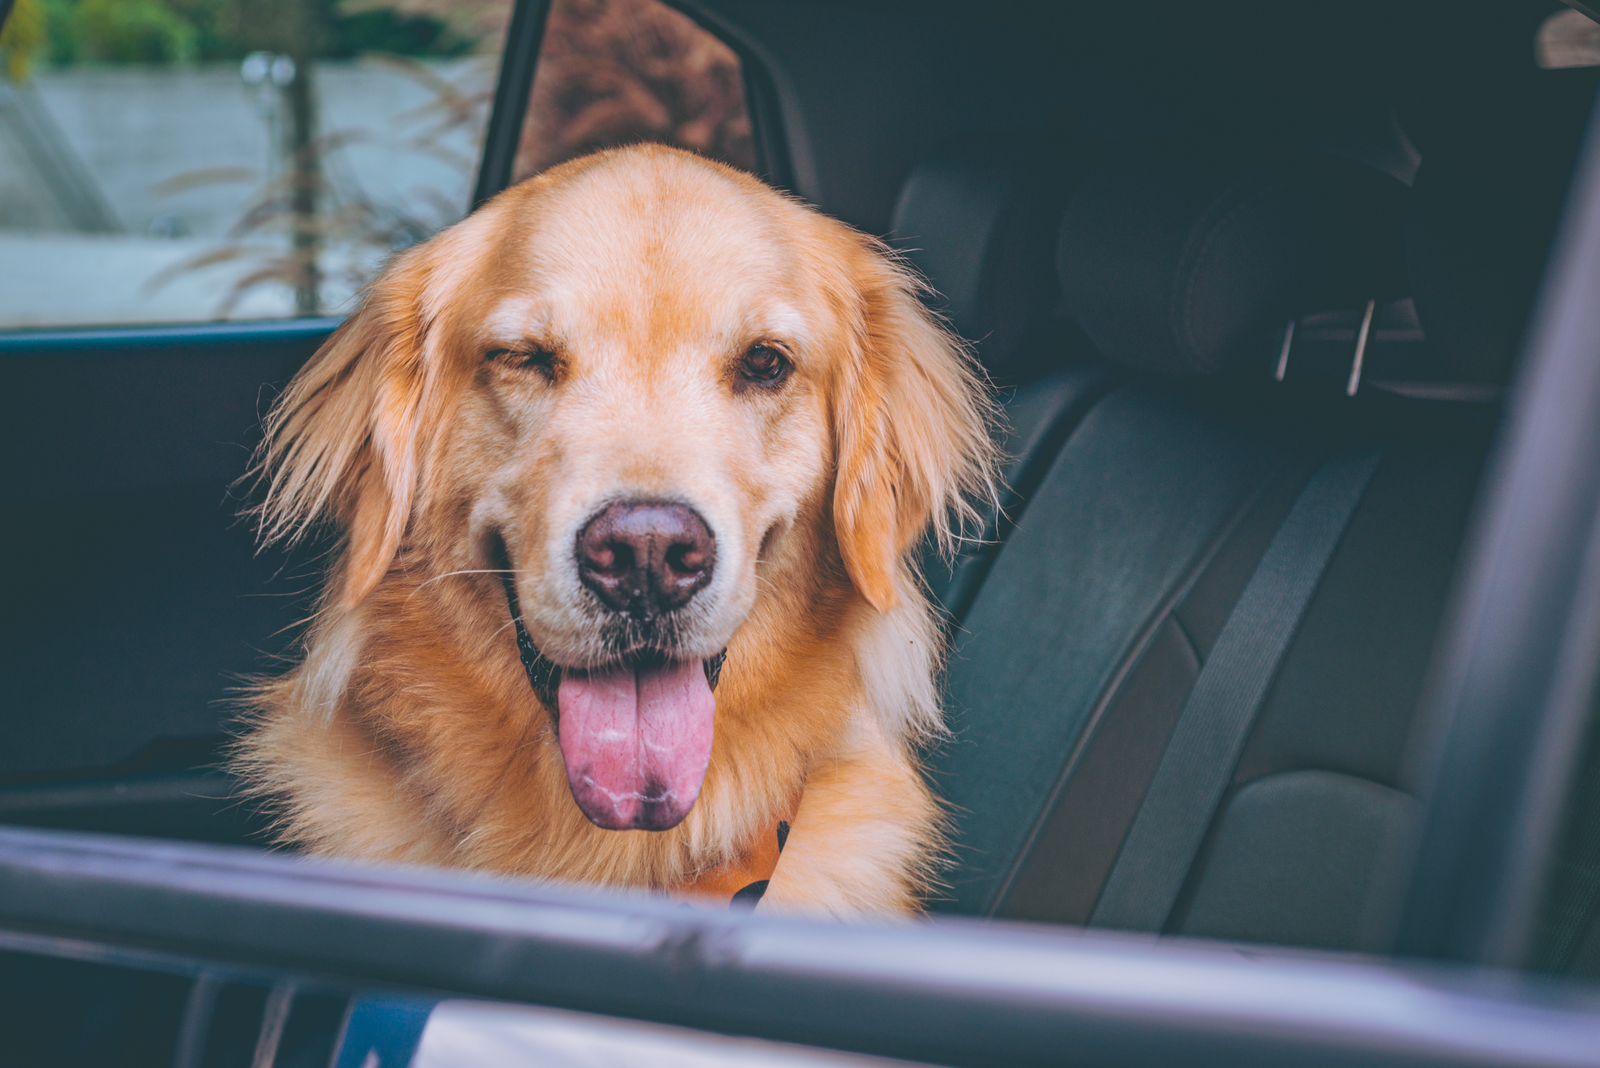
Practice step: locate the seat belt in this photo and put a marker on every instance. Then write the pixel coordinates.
(1203, 750)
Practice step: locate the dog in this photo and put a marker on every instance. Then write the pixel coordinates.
(630, 470)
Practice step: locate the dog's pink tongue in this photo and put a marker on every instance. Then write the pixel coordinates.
(636, 742)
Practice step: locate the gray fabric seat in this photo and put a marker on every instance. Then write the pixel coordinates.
(1095, 615)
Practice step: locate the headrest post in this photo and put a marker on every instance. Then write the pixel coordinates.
(1282, 369)
(1361, 347)
(1174, 259)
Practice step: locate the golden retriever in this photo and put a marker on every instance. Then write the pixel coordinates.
(630, 468)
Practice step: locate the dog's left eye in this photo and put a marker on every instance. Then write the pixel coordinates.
(764, 365)
(525, 359)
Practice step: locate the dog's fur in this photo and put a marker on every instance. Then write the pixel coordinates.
(409, 732)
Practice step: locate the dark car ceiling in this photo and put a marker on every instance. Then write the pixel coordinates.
(867, 89)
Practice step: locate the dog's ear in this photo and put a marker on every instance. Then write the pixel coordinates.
(912, 425)
(341, 443)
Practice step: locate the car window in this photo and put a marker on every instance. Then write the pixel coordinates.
(613, 72)
(201, 160)
(1567, 39)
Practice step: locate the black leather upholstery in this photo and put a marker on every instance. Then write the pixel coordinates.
(980, 221)
(1131, 507)
(1093, 618)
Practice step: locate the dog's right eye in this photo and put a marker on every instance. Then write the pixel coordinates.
(525, 359)
(764, 365)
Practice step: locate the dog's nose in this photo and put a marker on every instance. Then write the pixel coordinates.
(645, 557)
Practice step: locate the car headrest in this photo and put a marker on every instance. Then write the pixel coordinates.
(979, 222)
(1485, 205)
(1177, 260)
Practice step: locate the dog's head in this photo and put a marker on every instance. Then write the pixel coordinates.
(655, 394)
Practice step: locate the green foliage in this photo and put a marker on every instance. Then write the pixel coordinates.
(61, 41)
(22, 39)
(393, 33)
(182, 31)
(132, 31)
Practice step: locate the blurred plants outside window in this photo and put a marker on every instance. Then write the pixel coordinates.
(214, 159)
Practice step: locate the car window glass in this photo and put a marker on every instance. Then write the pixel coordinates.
(197, 160)
(614, 72)
(1567, 39)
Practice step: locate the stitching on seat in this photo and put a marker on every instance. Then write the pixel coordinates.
(1183, 632)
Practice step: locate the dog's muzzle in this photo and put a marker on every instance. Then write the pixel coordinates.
(544, 675)
(635, 736)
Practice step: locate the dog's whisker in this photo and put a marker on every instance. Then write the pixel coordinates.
(467, 571)
(502, 628)
(475, 571)
(456, 574)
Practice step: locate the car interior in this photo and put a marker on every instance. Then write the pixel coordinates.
(1251, 280)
